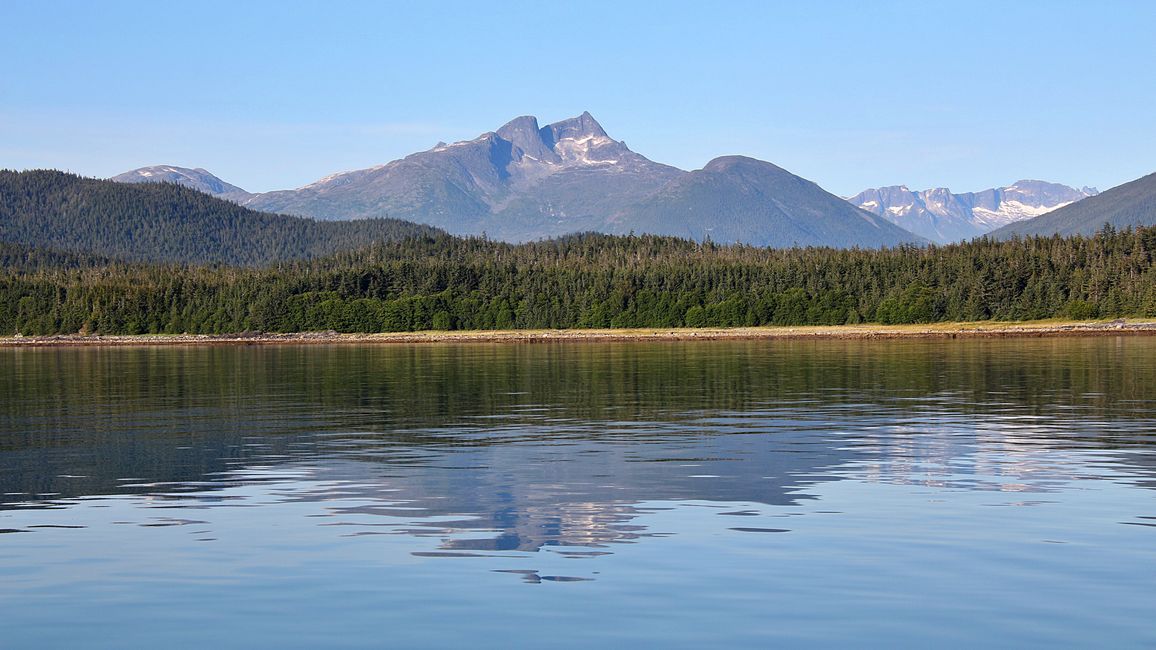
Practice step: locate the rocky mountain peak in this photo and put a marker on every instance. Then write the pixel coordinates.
(527, 181)
(943, 216)
(1041, 193)
(578, 140)
(580, 127)
(523, 132)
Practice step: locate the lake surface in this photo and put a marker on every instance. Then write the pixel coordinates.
(727, 494)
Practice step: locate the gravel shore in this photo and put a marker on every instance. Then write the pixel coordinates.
(930, 331)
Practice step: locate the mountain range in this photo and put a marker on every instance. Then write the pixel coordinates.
(943, 217)
(525, 182)
(1124, 206)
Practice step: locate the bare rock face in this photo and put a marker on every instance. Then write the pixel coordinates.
(1125, 206)
(943, 217)
(525, 181)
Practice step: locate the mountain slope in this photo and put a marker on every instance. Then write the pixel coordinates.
(519, 182)
(739, 199)
(525, 182)
(1128, 205)
(198, 179)
(167, 223)
(943, 217)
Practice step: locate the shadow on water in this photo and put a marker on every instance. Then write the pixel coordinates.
(563, 444)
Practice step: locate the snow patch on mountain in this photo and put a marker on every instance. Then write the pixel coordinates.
(943, 217)
(198, 179)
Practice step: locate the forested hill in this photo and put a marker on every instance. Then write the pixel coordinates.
(168, 223)
(587, 281)
(25, 259)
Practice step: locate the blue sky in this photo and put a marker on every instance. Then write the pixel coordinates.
(272, 95)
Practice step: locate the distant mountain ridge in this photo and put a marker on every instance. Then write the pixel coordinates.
(754, 193)
(519, 182)
(943, 217)
(198, 179)
(525, 181)
(1124, 206)
(55, 211)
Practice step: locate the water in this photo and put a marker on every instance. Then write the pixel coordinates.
(655, 494)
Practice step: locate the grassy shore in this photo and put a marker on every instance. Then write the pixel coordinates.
(980, 329)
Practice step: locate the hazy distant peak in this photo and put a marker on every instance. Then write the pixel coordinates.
(1125, 206)
(198, 179)
(943, 216)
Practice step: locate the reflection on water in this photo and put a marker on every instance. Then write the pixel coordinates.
(685, 493)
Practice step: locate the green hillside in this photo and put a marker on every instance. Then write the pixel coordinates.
(168, 223)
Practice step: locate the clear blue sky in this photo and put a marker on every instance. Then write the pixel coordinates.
(272, 95)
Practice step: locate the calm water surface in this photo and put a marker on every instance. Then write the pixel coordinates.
(653, 494)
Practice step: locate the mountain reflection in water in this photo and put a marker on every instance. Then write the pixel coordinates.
(511, 451)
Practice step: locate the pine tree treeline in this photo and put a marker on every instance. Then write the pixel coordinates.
(590, 281)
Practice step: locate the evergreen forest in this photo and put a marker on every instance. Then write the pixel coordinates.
(166, 222)
(439, 282)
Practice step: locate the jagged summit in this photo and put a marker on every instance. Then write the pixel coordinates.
(528, 181)
(1125, 206)
(525, 134)
(571, 138)
(583, 126)
(943, 216)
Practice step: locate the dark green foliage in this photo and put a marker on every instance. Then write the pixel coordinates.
(165, 222)
(586, 281)
(16, 257)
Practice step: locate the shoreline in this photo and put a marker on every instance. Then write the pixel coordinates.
(982, 329)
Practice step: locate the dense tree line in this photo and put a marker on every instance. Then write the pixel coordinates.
(14, 257)
(587, 281)
(166, 222)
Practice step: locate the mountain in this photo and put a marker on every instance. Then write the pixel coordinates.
(943, 217)
(520, 182)
(525, 181)
(1128, 205)
(168, 223)
(740, 199)
(198, 179)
